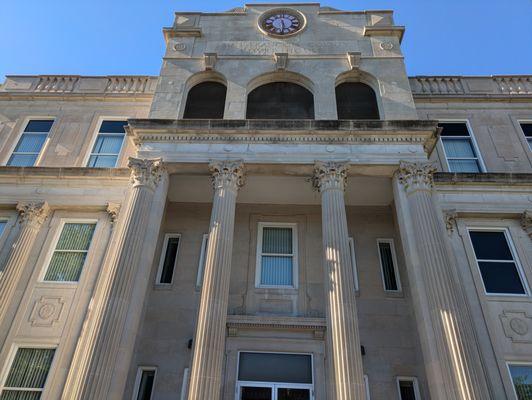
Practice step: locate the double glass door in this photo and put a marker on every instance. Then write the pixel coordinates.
(252, 391)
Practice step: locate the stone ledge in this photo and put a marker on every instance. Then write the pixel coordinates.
(275, 322)
(483, 178)
(64, 172)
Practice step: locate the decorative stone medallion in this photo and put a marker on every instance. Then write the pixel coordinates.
(47, 311)
(516, 326)
(282, 22)
(386, 45)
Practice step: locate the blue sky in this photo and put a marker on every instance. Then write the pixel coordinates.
(111, 37)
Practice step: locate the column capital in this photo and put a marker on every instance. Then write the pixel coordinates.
(227, 174)
(416, 176)
(330, 175)
(145, 172)
(33, 213)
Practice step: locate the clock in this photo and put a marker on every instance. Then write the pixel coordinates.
(282, 22)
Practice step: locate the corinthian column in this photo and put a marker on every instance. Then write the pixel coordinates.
(104, 349)
(209, 341)
(451, 354)
(31, 218)
(342, 324)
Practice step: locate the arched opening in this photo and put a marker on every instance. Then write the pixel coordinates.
(280, 100)
(356, 100)
(206, 100)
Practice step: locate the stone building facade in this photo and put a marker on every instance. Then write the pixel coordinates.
(281, 214)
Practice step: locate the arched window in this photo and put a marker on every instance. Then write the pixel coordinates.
(206, 100)
(356, 100)
(280, 100)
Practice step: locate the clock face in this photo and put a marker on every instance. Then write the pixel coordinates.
(281, 23)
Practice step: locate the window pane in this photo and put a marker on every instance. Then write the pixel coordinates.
(102, 161)
(146, 385)
(2, 227)
(16, 395)
(527, 129)
(22, 160)
(522, 378)
(277, 240)
(407, 391)
(30, 143)
(454, 129)
(255, 393)
(501, 277)
(490, 245)
(270, 367)
(108, 144)
(459, 148)
(293, 394)
(75, 236)
(169, 260)
(464, 166)
(388, 270)
(30, 368)
(113, 126)
(39, 125)
(276, 271)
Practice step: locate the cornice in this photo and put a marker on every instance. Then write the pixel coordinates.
(492, 178)
(251, 321)
(64, 173)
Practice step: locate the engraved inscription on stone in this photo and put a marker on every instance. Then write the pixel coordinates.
(269, 48)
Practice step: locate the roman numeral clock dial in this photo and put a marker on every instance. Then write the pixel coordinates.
(281, 22)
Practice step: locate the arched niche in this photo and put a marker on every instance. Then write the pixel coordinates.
(355, 96)
(205, 96)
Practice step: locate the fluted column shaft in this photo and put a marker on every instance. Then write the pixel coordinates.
(450, 341)
(209, 341)
(31, 218)
(342, 322)
(99, 347)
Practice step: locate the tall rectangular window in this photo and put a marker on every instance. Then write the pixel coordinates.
(390, 274)
(495, 259)
(108, 144)
(201, 264)
(144, 383)
(408, 388)
(353, 261)
(276, 254)
(522, 379)
(527, 130)
(459, 147)
(70, 252)
(168, 258)
(27, 374)
(31, 142)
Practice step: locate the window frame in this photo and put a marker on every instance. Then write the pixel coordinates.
(412, 379)
(366, 386)
(11, 358)
(162, 258)
(201, 262)
(138, 378)
(295, 258)
(528, 140)
(22, 128)
(354, 262)
(53, 245)
(274, 385)
(517, 363)
(94, 138)
(395, 266)
(474, 144)
(515, 255)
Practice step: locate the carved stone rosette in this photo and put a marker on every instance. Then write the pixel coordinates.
(33, 214)
(330, 175)
(227, 174)
(145, 172)
(416, 176)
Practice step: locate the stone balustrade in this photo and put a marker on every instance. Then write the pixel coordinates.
(501, 85)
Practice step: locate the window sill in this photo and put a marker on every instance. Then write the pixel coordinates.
(276, 289)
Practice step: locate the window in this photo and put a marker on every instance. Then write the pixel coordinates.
(3, 224)
(271, 376)
(168, 259)
(527, 130)
(144, 383)
(366, 385)
(356, 100)
(206, 100)
(280, 100)
(459, 148)
(521, 375)
(408, 388)
(496, 262)
(201, 265)
(390, 274)
(276, 255)
(70, 252)
(27, 374)
(108, 143)
(353, 261)
(31, 143)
